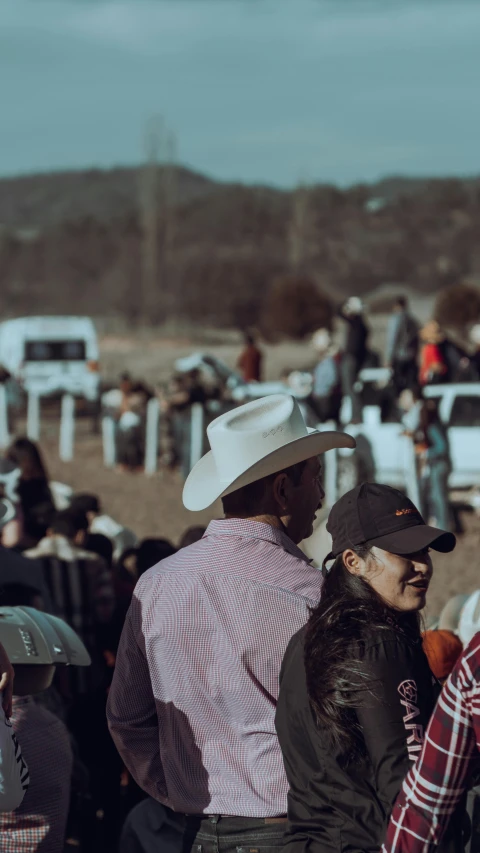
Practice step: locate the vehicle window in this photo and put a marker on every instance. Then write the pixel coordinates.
(55, 351)
(465, 411)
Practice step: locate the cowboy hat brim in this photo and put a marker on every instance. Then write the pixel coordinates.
(203, 486)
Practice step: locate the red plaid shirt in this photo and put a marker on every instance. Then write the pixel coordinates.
(436, 783)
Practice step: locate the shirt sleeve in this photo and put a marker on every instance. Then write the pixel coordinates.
(131, 710)
(14, 777)
(391, 716)
(436, 784)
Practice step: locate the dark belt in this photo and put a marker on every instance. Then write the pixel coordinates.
(202, 816)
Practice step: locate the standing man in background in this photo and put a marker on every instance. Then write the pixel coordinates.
(401, 351)
(354, 352)
(250, 360)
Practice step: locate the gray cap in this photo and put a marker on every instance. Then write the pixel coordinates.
(32, 637)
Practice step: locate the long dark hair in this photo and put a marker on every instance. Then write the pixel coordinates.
(26, 455)
(350, 613)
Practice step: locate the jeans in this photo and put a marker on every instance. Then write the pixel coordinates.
(152, 828)
(349, 375)
(436, 493)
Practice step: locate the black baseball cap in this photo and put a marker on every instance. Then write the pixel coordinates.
(372, 514)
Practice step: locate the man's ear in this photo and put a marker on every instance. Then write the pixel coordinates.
(281, 492)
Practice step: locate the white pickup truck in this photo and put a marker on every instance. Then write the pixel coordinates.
(383, 447)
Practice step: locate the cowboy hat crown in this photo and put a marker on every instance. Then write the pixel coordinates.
(254, 441)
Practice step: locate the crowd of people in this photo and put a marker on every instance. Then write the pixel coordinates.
(237, 698)
(79, 564)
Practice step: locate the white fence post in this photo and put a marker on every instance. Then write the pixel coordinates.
(151, 436)
(109, 443)
(4, 436)
(196, 434)
(330, 465)
(33, 416)
(67, 428)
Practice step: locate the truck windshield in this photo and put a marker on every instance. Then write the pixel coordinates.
(55, 350)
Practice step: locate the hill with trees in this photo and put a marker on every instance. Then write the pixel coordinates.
(157, 243)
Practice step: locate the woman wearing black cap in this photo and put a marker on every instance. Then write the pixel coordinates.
(356, 691)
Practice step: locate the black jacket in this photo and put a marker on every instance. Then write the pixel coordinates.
(335, 807)
(357, 337)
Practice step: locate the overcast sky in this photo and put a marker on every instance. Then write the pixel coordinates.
(269, 91)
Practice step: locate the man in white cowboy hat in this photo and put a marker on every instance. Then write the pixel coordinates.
(192, 703)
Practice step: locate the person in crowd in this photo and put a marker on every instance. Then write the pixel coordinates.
(442, 648)
(152, 551)
(81, 586)
(185, 390)
(410, 403)
(475, 356)
(327, 387)
(192, 703)
(354, 353)
(13, 769)
(250, 360)
(356, 691)
(436, 466)
(97, 543)
(401, 351)
(131, 429)
(191, 535)
(435, 786)
(39, 823)
(433, 367)
(99, 522)
(17, 569)
(33, 486)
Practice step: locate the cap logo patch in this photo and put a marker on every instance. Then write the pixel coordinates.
(407, 511)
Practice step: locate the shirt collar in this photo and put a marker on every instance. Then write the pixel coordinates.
(248, 529)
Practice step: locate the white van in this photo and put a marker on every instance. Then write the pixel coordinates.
(50, 355)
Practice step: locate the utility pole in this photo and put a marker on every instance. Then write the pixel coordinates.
(157, 205)
(299, 228)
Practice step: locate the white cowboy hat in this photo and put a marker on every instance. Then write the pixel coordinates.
(254, 441)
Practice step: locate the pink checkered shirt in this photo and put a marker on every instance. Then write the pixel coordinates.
(436, 783)
(192, 704)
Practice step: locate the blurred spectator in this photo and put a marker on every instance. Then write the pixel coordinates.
(19, 594)
(80, 584)
(475, 358)
(410, 403)
(151, 551)
(442, 649)
(99, 544)
(32, 489)
(185, 390)
(469, 618)
(433, 367)
(402, 346)
(354, 353)
(327, 388)
(250, 360)
(191, 535)
(437, 466)
(131, 429)
(39, 823)
(121, 537)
